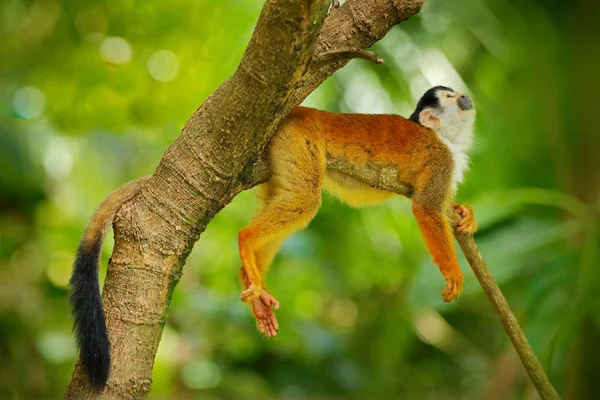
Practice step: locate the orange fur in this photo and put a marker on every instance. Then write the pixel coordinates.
(297, 154)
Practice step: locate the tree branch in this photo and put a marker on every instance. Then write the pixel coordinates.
(357, 24)
(352, 53)
(507, 318)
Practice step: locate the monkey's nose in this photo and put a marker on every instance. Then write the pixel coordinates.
(464, 102)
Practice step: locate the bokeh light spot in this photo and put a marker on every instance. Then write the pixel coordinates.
(432, 328)
(344, 313)
(56, 347)
(59, 270)
(58, 161)
(29, 102)
(116, 50)
(200, 374)
(163, 65)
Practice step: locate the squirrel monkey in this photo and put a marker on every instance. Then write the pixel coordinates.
(429, 151)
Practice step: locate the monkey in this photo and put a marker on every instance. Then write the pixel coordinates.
(429, 150)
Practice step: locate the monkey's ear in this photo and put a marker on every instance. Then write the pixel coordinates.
(428, 120)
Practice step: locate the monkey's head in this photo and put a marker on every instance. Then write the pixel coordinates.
(448, 113)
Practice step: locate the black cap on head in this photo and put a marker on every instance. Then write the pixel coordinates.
(428, 100)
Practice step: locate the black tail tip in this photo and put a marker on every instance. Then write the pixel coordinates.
(96, 366)
(89, 321)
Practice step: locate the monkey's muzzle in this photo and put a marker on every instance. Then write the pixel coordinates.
(464, 102)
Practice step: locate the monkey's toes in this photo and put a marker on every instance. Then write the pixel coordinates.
(454, 286)
(251, 293)
(269, 300)
(272, 326)
(265, 317)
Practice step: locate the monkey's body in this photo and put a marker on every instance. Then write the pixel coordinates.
(297, 155)
(423, 156)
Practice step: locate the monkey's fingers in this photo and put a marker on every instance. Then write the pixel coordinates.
(467, 223)
(469, 227)
(453, 288)
(462, 209)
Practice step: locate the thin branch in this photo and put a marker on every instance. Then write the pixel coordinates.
(339, 31)
(352, 53)
(507, 318)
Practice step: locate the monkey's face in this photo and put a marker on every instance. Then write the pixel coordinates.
(449, 101)
(449, 114)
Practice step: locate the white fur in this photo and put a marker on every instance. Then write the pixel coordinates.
(455, 129)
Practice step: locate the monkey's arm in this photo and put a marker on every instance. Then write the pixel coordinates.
(438, 238)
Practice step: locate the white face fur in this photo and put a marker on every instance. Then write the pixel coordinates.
(454, 126)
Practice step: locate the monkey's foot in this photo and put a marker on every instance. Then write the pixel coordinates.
(454, 285)
(251, 293)
(263, 308)
(467, 223)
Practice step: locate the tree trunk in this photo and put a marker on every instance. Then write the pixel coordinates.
(216, 157)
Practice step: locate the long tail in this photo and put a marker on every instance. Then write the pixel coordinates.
(89, 324)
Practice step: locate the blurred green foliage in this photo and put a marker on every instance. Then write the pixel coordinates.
(92, 93)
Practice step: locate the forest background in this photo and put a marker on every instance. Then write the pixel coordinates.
(92, 93)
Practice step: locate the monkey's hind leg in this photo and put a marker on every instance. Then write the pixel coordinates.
(261, 239)
(287, 213)
(291, 199)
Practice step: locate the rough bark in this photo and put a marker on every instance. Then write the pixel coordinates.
(214, 159)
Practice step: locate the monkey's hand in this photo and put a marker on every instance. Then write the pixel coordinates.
(454, 285)
(467, 223)
(263, 308)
